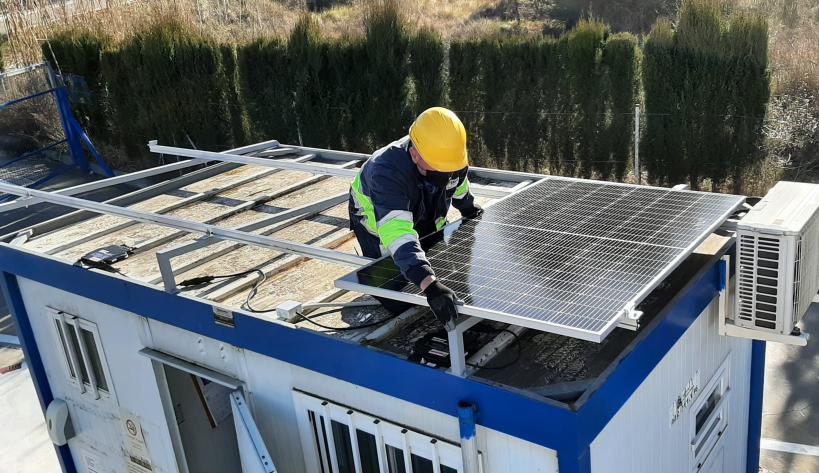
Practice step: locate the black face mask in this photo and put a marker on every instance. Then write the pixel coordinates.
(437, 178)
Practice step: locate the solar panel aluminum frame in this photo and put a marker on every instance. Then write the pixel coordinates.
(628, 316)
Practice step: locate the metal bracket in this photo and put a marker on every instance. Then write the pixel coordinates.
(457, 353)
(223, 317)
(630, 318)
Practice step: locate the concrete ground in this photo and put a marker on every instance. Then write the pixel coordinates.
(790, 414)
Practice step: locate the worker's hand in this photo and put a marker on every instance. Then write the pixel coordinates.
(474, 212)
(441, 300)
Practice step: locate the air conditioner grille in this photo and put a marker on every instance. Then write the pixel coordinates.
(758, 280)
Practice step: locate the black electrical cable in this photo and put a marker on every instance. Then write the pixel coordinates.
(262, 277)
(206, 279)
(518, 354)
(342, 329)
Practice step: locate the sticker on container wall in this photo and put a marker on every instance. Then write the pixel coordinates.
(136, 450)
(685, 398)
(92, 462)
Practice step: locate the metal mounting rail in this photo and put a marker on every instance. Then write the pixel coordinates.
(130, 177)
(493, 192)
(191, 226)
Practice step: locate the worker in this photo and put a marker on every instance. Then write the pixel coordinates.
(403, 193)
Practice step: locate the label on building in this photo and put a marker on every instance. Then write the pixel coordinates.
(92, 462)
(136, 450)
(685, 398)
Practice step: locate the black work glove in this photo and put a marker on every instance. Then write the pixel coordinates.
(473, 212)
(441, 300)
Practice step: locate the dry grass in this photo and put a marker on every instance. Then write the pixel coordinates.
(793, 41)
(226, 20)
(792, 127)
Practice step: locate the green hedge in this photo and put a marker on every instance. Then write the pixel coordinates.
(562, 105)
(706, 88)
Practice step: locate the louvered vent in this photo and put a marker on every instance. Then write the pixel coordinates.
(758, 281)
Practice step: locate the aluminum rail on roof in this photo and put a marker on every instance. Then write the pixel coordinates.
(130, 177)
(486, 173)
(324, 254)
(480, 190)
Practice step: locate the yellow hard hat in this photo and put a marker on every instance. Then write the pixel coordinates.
(440, 137)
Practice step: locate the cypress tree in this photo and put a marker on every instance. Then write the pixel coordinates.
(524, 122)
(620, 58)
(494, 74)
(557, 106)
(698, 44)
(168, 83)
(306, 55)
(386, 43)
(465, 91)
(661, 144)
(426, 66)
(239, 127)
(265, 90)
(747, 39)
(584, 47)
(347, 62)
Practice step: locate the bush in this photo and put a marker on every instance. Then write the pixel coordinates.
(426, 49)
(265, 96)
(465, 96)
(706, 86)
(584, 49)
(528, 103)
(77, 54)
(168, 83)
(306, 54)
(620, 59)
(387, 51)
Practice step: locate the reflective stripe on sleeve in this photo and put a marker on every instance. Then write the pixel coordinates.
(401, 241)
(461, 190)
(396, 229)
(364, 206)
(404, 215)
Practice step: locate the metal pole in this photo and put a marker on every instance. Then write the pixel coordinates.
(192, 226)
(637, 175)
(469, 443)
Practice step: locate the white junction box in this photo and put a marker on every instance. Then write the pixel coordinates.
(778, 259)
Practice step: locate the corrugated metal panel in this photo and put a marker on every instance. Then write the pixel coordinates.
(642, 439)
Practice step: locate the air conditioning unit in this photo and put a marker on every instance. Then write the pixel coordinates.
(777, 260)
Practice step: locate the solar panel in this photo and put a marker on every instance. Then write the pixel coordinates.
(567, 256)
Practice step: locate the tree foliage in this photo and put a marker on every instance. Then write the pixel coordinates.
(563, 105)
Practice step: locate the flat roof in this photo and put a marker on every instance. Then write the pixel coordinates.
(233, 195)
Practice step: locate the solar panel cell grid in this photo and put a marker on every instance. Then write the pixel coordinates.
(564, 255)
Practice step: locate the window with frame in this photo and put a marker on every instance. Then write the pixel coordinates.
(82, 352)
(338, 439)
(709, 417)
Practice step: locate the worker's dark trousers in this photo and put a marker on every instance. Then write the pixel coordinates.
(371, 247)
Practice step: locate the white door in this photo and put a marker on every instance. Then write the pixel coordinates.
(252, 450)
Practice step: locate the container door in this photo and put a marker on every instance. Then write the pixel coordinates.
(252, 451)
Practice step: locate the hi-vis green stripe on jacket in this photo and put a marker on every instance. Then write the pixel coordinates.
(394, 203)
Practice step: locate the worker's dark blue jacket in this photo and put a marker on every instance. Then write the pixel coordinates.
(393, 203)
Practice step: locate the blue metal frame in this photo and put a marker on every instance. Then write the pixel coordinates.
(541, 422)
(755, 404)
(11, 291)
(75, 136)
